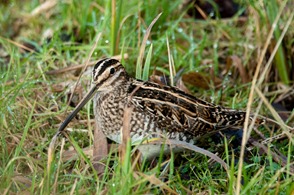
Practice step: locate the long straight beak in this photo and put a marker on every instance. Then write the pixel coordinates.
(87, 97)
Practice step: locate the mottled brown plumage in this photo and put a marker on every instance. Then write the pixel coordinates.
(157, 110)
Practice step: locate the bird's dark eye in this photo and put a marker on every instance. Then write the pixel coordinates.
(112, 70)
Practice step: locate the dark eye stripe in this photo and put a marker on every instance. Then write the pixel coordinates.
(102, 65)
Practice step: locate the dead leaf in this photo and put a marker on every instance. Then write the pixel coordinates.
(100, 149)
(200, 80)
(236, 62)
(181, 85)
(161, 80)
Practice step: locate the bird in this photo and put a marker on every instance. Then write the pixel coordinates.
(157, 110)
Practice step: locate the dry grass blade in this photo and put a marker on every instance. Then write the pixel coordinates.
(142, 48)
(55, 186)
(50, 160)
(286, 129)
(73, 187)
(43, 7)
(246, 132)
(170, 63)
(51, 152)
(273, 53)
(157, 182)
(202, 13)
(18, 45)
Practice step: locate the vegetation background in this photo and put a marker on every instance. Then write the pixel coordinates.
(244, 61)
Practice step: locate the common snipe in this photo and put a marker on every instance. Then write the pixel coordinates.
(157, 110)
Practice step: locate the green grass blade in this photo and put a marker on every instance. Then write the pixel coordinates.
(147, 64)
(280, 59)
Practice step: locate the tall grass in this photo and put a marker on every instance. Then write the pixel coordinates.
(32, 105)
(280, 59)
